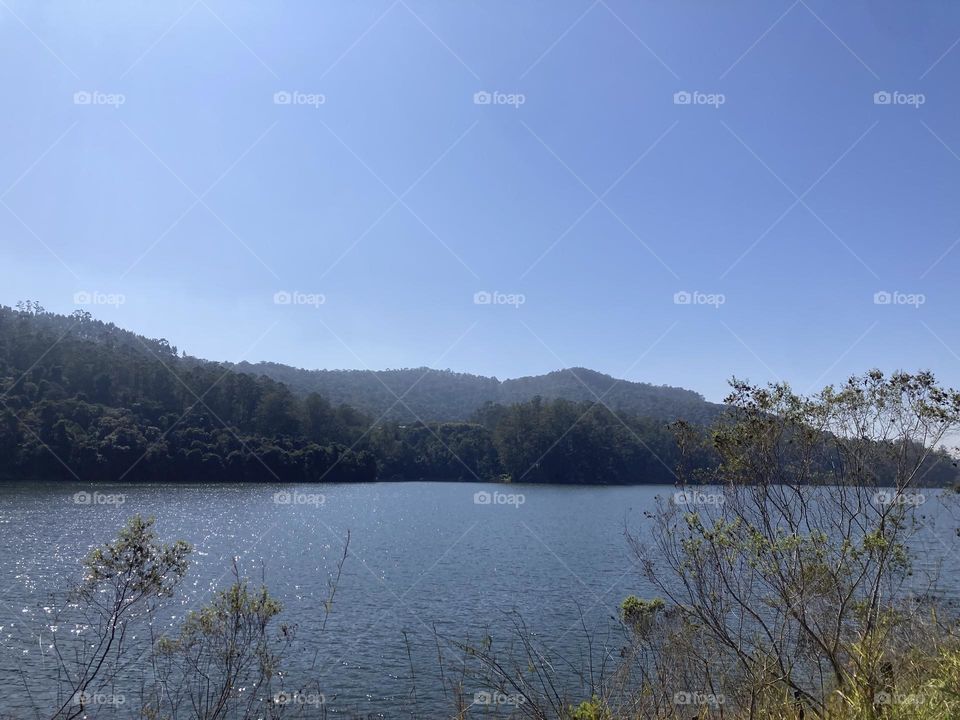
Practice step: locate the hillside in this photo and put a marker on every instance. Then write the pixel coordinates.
(86, 400)
(443, 395)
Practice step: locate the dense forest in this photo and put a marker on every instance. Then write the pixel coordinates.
(83, 399)
(443, 395)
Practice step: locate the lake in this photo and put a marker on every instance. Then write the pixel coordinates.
(438, 562)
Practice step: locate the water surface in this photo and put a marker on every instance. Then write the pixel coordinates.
(426, 559)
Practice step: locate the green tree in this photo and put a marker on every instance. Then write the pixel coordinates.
(225, 661)
(793, 575)
(122, 583)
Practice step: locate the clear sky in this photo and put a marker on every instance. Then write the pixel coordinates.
(150, 153)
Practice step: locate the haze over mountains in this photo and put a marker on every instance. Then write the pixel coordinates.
(444, 395)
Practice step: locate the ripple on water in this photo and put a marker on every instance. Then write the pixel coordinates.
(423, 556)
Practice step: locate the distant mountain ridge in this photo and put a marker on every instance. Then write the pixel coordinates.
(444, 395)
(85, 400)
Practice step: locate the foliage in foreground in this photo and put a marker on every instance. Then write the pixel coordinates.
(225, 662)
(787, 588)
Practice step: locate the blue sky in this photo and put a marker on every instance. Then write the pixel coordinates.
(782, 199)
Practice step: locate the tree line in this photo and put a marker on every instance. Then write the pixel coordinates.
(85, 400)
(444, 395)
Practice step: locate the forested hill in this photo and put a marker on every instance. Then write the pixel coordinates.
(444, 395)
(85, 400)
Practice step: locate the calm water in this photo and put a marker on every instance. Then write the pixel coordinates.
(423, 556)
